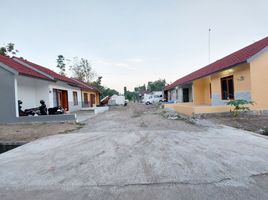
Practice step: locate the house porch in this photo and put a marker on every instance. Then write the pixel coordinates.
(191, 109)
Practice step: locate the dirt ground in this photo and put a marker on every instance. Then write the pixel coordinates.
(30, 132)
(133, 117)
(130, 118)
(254, 123)
(134, 152)
(136, 117)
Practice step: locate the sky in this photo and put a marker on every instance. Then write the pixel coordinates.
(131, 42)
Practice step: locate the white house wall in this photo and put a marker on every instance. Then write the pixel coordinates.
(173, 95)
(63, 86)
(30, 91)
(179, 94)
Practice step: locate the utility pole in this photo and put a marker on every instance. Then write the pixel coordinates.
(209, 30)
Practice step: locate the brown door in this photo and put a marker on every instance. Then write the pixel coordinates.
(86, 99)
(92, 99)
(60, 98)
(59, 94)
(64, 100)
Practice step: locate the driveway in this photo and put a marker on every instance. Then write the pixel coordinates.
(131, 157)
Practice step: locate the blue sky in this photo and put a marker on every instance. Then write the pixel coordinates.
(131, 42)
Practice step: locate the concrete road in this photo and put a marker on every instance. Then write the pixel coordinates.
(213, 163)
(134, 153)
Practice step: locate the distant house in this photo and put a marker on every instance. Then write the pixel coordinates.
(90, 95)
(240, 75)
(23, 80)
(59, 91)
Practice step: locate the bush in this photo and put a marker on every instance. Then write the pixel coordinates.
(265, 131)
(239, 105)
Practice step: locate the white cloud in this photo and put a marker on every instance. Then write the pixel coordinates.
(124, 65)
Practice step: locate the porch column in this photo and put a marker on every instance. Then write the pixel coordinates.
(16, 96)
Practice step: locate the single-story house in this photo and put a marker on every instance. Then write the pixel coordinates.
(90, 95)
(240, 75)
(28, 82)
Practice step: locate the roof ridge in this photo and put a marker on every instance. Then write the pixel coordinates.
(54, 74)
(232, 59)
(21, 69)
(85, 84)
(31, 67)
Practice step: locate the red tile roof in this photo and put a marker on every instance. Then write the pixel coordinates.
(229, 61)
(21, 69)
(49, 72)
(85, 86)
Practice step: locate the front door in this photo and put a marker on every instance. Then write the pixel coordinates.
(60, 98)
(64, 100)
(92, 100)
(185, 93)
(86, 99)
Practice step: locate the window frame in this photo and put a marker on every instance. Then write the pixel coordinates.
(75, 98)
(227, 79)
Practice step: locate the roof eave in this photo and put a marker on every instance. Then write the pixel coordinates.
(250, 59)
(6, 67)
(35, 77)
(232, 66)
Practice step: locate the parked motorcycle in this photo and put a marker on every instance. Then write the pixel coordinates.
(56, 110)
(41, 110)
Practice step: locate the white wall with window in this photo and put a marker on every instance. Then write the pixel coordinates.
(72, 106)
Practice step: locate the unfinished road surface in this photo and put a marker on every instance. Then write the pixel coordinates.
(135, 153)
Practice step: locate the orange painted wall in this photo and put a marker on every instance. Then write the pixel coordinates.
(255, 81)
(201, 91)
(239, 84)
(259, 84)
(97, 97)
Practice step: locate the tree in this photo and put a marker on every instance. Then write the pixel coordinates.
(125, 90)
(97, 83)
(157, 85)
(8, 50)
(131, 96)
(82, 70)
(61, 64)
(105, 91)
(140, 89)
(108, 92)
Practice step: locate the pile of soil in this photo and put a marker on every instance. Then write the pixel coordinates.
(254, 123)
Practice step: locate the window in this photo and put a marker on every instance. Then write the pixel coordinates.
(210, 92)
(75, 98)
(227, 88)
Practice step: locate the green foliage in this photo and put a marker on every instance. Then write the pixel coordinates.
(97, 83)
(3, 51)
(82, 69)
(105, 91)
(157, 85)
(239, 105)
(265, 131)
(8, 50)
(140, 89)
(108, 92)
(131, 96)
(125, 90)
(61, 64)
